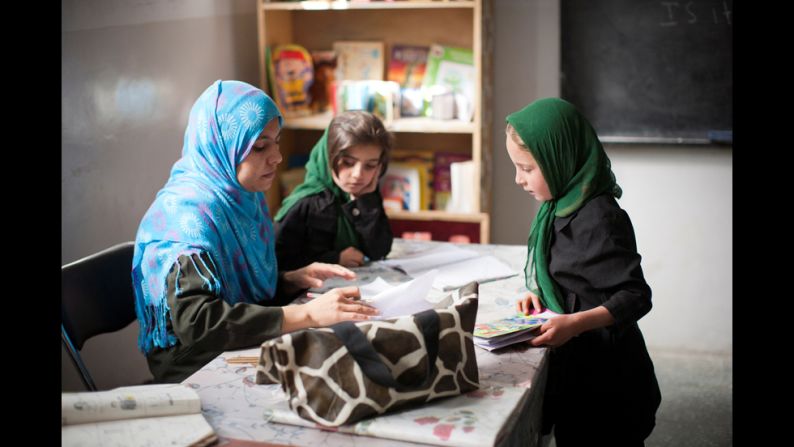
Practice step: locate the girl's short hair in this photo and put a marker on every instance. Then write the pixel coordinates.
(510, 130)
(356, 128)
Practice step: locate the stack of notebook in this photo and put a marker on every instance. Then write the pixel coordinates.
(507, 331)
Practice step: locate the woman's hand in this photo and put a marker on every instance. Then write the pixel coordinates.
(527, 302)
(351, 257)
(314, 274)
(340, 304)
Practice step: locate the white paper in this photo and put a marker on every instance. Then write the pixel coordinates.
(405, 299)
(429, 259)
(480, 269)
(370, 290)
(457, 266)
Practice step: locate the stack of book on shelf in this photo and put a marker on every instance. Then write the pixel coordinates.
(449, 82)
(510, 330)
(442, 177)
(407, 68)
(433, 81)
(422, 161)
(403, 187)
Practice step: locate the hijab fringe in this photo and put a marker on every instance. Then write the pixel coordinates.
(154, 323)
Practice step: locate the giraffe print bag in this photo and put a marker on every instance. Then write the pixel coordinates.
(349, 371)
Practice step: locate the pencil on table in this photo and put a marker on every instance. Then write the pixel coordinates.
(243, 359)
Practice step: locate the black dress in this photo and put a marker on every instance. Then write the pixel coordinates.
(602, 389)
(307, 232)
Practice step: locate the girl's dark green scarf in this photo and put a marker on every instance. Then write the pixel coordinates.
(575, 167)
(319, 178)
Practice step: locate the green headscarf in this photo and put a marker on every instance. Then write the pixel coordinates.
(318, 178)
(575, 167)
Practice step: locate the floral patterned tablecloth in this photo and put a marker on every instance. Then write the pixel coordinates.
(504, 411)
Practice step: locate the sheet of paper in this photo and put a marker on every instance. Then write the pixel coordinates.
(405, 299)
(370, 290)
(435, 257)
(480, 269)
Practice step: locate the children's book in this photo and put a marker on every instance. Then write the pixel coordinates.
(381, 98)
(510, 330)
(442, 181)
(461, 176)
(423, 160)
(452, 68)
(359, 60)
(168, 414)
(401, 187)
(407, 65)
(291, 74)
(323, 88)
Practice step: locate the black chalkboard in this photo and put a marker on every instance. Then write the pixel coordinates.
(655, 71)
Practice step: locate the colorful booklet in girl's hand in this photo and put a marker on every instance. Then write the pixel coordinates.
(507, 331)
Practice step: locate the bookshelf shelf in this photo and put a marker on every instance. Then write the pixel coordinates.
(316, 25)
(320, 5)
(412, 124)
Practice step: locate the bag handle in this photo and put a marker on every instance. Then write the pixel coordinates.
(373, 367)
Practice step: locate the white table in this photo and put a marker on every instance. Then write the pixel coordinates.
(505, 411)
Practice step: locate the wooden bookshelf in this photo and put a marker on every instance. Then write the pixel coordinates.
(465, 23)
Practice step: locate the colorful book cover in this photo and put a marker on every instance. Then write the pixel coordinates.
(422, 159)
(442, 179)
(505, 326)
(359, 60)
(292, 74)
(407, 65)
(323, 89)
(400, 187)
(380, 98)
(512, 324)
(452, 68)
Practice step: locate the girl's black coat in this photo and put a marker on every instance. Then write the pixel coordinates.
(605, 374)
(307, 232)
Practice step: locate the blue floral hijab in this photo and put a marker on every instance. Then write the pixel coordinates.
(204, 209)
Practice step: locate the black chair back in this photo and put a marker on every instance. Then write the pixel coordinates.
(96, 297)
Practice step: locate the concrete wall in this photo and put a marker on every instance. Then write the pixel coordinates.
(130, 73)
(132, 69)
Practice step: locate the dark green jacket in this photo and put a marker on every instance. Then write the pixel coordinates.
(206, 325)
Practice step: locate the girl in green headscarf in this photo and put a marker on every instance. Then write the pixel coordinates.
(582, 263)
(336, 215)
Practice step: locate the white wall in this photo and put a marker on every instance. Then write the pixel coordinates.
(130, 73)
(680, 199)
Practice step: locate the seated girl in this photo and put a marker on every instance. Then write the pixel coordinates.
(336, 215)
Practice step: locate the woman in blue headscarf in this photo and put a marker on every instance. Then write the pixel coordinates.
(204, 269)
